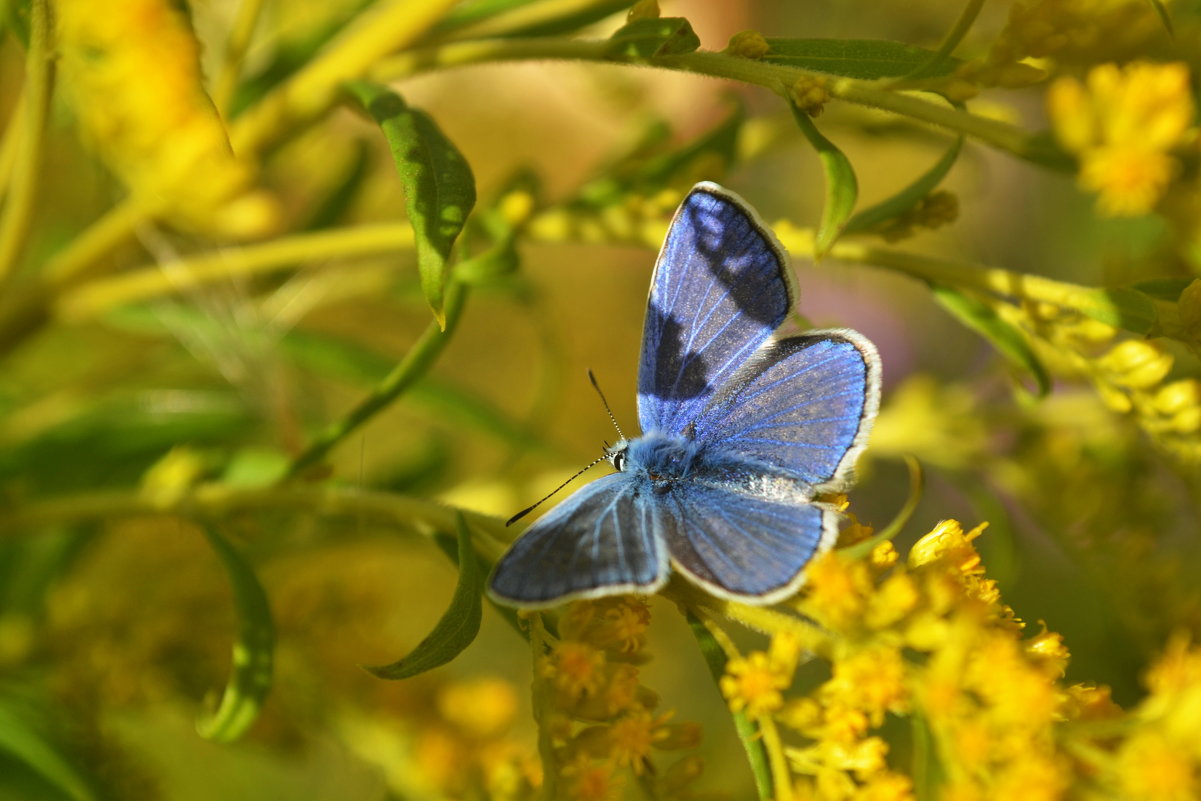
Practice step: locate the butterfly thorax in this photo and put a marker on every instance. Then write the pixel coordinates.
(662, 458)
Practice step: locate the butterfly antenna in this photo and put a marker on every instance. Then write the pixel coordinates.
(529, 509)
(596, 386)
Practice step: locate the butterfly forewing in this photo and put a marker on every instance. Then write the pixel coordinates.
(606, 538)
(803, 407)
(720, 288)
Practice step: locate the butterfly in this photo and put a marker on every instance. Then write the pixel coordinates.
(743, 432)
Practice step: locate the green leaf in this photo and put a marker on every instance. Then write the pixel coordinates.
(253, 651)
(868, 59)
(748, 734)
(438, 184)
(1168, 289)
(842, 189)
(529, 17)
(24, 740)
(459, 624)
(645, 168)
(908, 197)
(1122, 308)
(1008, 340)
(1164, 16)
(647, 38)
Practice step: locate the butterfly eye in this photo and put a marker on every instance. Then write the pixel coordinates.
(619, 460)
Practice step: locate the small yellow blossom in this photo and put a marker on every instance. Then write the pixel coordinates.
(948, 542)
(587, 780)
(575, 669)
(1153, 768)
(482, 707)
(755, 683)
(1048, 648)
(1125, 124)
(872, 680)
(838, 590)
(885, 785)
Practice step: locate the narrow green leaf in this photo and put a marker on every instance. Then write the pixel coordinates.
(450, 547)
(253, 651)
(528, 17)
(951, 41)
(908, 197)
(868, 59)
(23, 739)
(842, 189)
(412, 367)
(459, 624)
(1168, 289)
(1122, 308)
(1164, 16)
(438, 184)
(646, 168)
(646, 38)
(748, 734)
(983, 319)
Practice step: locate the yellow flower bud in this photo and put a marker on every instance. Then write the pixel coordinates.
(1136, 364)
(748, 44)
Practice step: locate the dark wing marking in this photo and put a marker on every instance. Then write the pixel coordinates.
(721, 286)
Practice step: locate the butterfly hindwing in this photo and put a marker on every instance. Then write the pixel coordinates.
(604, 539)
(719, 290)
(743, 546)
(803, 407)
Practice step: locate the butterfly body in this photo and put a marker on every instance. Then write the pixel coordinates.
(743, 432)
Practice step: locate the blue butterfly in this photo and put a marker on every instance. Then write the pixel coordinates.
(742, 431)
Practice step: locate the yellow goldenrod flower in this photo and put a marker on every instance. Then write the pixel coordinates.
(1048, 648)
(625, 624)
(132, 71)
(872, 680)
(631, 737)
(587, 780)
(1153, 768)
(948, 542)
(1125, 124)
(838, 590)
(481, 708)
(755, 683)
(885, 785)
(575, 669)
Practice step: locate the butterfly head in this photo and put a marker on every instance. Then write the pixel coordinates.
(617, 454)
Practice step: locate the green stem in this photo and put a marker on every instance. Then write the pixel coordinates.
(212, 501)
(146, 283)
(775, 77)
(414, 365)
(240, 36)
(951, 41)
(991, 280)
(39, 81)
(781, 776)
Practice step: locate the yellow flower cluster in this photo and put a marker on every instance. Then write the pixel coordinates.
(132, 71)
(1131, 376)
(1075, 31)
(602, 723)
(930, 640)
(1128, 126)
